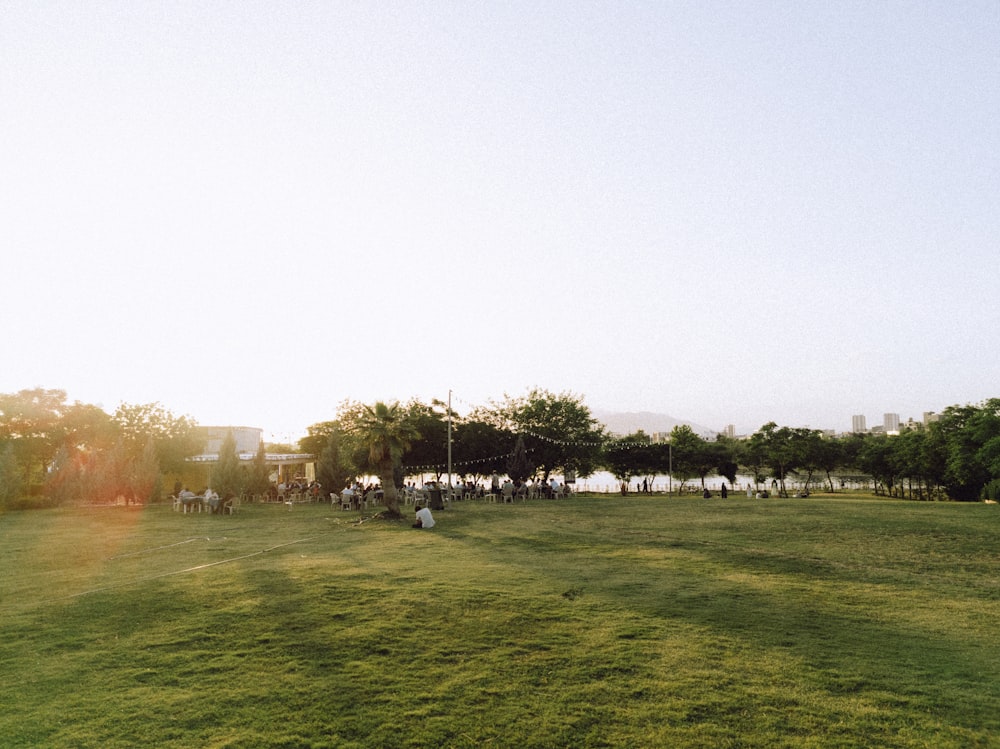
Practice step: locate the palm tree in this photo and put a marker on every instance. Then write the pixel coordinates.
(387, 432)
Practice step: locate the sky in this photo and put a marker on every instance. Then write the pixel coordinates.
(729, 212)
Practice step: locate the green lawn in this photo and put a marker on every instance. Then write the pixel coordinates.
(590, 622)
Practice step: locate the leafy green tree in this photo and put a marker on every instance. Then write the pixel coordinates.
(780, 449)
(727, 452)
(63, 483)
(259, 475)
(37, 423)
(175, 437)
(876, 459)
(753, 460)
(633, 456)
(145, 479)
(519, 466)
(827, 457)
(620, 461)
(11, 475)
(911, 460)
(318, 435)
(711, 456)
(108, 475)
(481, 448)
(968, 437)
(559, 431)
(689, 454)
(807, 445)
(334, 469)
(387, 433)
(228, 475)
(649, 458)
(431, 423)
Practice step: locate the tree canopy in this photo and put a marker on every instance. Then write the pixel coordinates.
(559, 431)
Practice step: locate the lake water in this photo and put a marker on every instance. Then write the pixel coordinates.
(603, 481)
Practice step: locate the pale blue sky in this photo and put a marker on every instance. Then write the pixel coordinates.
(730, 212)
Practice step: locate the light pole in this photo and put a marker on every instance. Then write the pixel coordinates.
(670, 467)
(449, 441)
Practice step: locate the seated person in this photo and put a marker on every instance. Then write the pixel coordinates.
(424, 518)
(188, 497)
(212, 499)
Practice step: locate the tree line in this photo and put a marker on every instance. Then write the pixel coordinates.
(956, 457)
(55, 451)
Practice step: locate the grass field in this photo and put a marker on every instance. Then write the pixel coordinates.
(591, 622)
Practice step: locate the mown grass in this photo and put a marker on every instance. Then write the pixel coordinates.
(590, 622)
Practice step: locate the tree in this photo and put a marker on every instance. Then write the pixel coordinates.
(752, 458)
(619, 460)
(911, 460)
(779, 450)
(559, 431)
(146, 482)
(108, 475)
(688, 453)
(519, 467)
(228, 475)
(387, 433)
(634, 456)
(728, 451)
(333, 468)
(318, 435)
(828, 456)
(968, 437)
(481, 448)
(259, 475)
(175, 437)
(431, 448)
(38, 422)
(11, 475)
(875, 459)
(808, 446)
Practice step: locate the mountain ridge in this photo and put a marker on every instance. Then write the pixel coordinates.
(622, 423)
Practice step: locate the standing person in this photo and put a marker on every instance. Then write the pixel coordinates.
(725, 490)
(424, 518)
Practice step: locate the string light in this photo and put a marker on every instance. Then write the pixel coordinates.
(609, 443)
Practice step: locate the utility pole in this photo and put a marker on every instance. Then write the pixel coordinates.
(449, 441)
(670, 467)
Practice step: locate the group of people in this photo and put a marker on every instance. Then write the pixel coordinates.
(207, 498)
(297, 486)
(547, 490)
(354, 493)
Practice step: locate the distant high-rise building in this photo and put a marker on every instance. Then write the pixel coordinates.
(890, 422)
(858, 424)
(930, 416)
(730, 431)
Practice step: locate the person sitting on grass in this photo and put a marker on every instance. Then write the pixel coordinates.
(424, 518)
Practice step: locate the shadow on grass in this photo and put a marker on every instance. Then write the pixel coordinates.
(811, 610)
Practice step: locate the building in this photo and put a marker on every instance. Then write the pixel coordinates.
(284, 467)
(890, 422)
(858, 424)
(248, 439)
